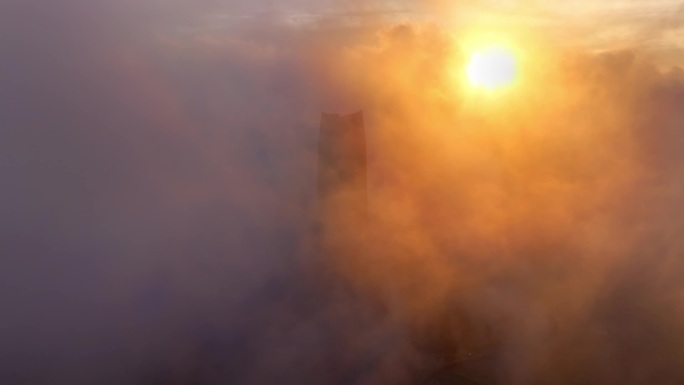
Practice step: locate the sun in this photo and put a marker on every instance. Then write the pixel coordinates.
(491, 68)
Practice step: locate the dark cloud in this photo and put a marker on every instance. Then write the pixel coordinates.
(140, 209)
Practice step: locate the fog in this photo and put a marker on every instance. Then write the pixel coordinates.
(158, 203)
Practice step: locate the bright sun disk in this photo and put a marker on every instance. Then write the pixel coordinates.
(491, 68)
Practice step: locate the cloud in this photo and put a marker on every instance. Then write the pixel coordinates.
(159, 184)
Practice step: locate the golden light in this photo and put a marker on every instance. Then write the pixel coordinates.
(491, 68)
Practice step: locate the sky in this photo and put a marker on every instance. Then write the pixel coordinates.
(652, 26)
(158, 162)
(613, 21)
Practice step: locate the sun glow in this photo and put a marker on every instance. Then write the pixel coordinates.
(491, 68)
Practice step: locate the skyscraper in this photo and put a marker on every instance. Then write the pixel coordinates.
(342, 174)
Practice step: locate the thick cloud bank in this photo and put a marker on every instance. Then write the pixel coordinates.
(158, 167)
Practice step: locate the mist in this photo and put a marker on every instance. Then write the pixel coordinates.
(158, 206)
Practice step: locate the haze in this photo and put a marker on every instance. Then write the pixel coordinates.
(158, 200)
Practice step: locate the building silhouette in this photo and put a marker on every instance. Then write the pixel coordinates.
(342, 172)
(342, 221)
